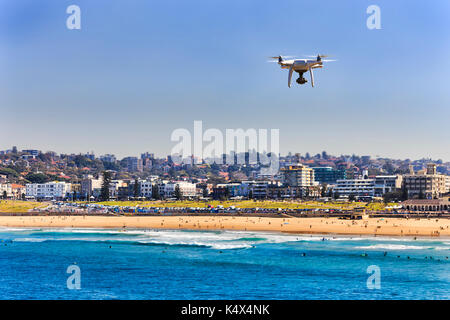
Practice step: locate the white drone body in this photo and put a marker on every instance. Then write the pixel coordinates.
(301, 66)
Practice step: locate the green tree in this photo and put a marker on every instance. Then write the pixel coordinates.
(330, 193)
(104, 192)
(226, 194)
(307, 193)
(82, 161)
(9, 172)
(404, 193)
(178, 192)
(136, 188)
(155, 192)
(323, 191)
(37, 178)
(392, 196)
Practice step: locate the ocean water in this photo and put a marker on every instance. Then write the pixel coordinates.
(176, 264)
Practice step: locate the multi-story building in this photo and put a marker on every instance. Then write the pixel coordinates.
(88, 186)
(145, 189)
(187, 190)
(31, 152)
(384, 184)
(5, 190)
(134, 164)
(220, 192)
(114, 188)
(286, 192)
(260, 189)
(329, 175)
(297, 176)
(147, 160)
(18, 191)
(51, 190)
(428, 185)
(108, 158)
(147, 155)
(355, 187)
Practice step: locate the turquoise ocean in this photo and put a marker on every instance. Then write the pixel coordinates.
(183, 264)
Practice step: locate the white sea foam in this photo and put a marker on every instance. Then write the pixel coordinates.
(441, 248)
(220, 240)
(214, 245)
(28, 240)
(13, 229)
(393, 247)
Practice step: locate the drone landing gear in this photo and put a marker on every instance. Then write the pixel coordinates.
(301, 79)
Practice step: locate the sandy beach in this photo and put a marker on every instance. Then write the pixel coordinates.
(373, 226)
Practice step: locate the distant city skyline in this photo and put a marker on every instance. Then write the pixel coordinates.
(138, 70)
(162, 156)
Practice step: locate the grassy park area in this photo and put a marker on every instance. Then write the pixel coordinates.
(20, 206)
(266, 204)
(25, 206)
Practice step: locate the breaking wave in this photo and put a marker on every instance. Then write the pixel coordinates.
(220, 240)
(401, 247)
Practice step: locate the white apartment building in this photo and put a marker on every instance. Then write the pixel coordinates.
(356, 187)
(114, 188)
(187, 189)
(90, 184)
(49, 190)
(297, 176)
(145, 188)
(260, 189)
(6, 188)
(390, 183)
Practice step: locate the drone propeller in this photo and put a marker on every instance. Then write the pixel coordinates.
(317, 55)
(282, 57)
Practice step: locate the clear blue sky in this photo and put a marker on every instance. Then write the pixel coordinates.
(139, 69)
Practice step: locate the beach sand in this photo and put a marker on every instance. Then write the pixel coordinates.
(372, 226)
